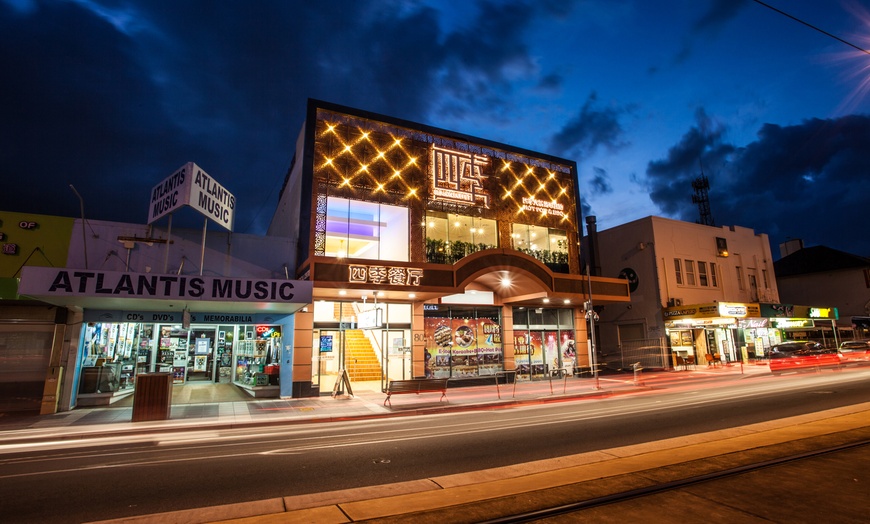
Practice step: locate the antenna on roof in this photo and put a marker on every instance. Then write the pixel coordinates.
(702, 197)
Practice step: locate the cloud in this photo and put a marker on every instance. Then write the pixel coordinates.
(114, 97)
(718, 14)
(787, 183)
(600, 182)
(591, 129)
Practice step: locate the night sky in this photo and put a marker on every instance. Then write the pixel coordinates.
(112, 96)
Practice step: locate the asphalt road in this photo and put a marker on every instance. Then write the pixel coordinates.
(93, 480)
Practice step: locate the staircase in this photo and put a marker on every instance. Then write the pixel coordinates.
(360, 360)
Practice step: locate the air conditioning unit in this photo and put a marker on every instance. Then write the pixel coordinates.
(675, 302)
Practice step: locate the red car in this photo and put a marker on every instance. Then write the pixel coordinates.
(790, 356)
(855, 351)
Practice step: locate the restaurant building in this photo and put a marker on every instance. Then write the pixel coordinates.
(432, 254)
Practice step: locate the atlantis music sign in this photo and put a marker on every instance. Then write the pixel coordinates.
(65, 282)
(191, 186)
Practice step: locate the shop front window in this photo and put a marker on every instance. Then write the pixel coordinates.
(113, 354)
(463, 342)
(450, 237)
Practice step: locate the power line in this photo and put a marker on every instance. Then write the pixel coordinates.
(811, 26)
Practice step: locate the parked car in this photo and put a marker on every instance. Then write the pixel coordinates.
(789, 356)
(790, 348)
(855, 351)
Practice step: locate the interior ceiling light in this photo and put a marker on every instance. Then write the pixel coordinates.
(505, 281)
(412, 295)
(546, 301)
(342, 292)
(567, 301)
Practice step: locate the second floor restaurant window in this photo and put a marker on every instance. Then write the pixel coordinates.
(548, 245)
(451, 236)
(366, 230)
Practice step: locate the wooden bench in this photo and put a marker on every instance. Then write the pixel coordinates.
(417, 386)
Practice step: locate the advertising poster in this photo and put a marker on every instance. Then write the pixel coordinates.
(464, 354)
(536, 354)
(439, 341)
(489, 347)
(522, 353)
(569, 351)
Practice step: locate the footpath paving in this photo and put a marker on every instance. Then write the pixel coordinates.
(830, 490)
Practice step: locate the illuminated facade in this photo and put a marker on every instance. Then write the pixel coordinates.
(431, 254)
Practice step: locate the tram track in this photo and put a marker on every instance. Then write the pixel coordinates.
(576, 509)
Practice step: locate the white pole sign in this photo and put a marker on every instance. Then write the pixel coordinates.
(191, 186)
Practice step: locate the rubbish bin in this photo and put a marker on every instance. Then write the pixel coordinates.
(152, 399)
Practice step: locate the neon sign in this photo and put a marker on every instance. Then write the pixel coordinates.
(458, 177)
(395, 276)
(544, 207)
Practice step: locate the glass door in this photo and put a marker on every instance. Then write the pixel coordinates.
(327, 356)
(201, 354)
(395, 355)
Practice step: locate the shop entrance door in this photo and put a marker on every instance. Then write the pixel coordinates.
(327, 359)
(395, 356)
(544, 355)
(201, 361)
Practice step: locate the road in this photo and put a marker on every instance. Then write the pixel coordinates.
(113, 477)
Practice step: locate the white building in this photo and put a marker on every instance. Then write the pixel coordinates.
(694, 289)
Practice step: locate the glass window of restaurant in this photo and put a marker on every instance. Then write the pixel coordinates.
(355, 229)
(450, 236)
(463, 341)
(548, 245)
(544, 341)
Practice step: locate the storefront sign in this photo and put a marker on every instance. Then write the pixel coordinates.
(753, 323)
(739, 310)
(819, 312)
(40, 281)
(457, 176)
(544, 207)
(395, 276)
(191, 186)
(175, 317)
(783, 323)
(694, 311)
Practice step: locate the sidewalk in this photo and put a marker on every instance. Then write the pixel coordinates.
(367, 402)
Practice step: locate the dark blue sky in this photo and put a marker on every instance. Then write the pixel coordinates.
(114, 95)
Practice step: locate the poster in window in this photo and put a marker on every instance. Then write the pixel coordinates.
(522, 353)
(536, 354)
(439, 341)
(675, 339)
(568, 347)
(686, 338)
(489, 347)
(464, 354)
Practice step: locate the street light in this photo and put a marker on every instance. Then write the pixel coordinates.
(84, 235)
